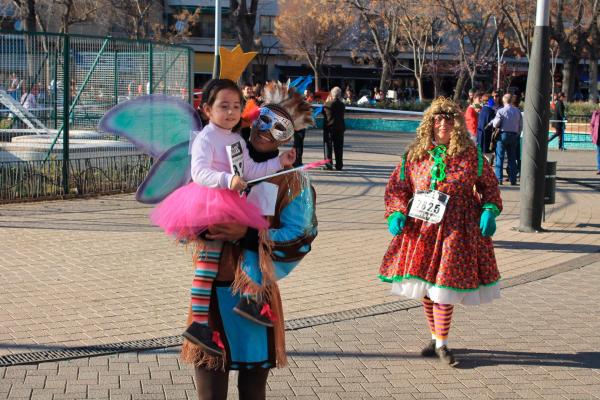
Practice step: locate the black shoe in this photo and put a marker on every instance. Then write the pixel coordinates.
(256, 312)
(445, 355)
(429, 350)
(329, 167)
(203, 336)
(513, 184)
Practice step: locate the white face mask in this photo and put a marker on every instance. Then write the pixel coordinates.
(279, 126)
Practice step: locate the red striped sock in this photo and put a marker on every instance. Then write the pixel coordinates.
(428, 307)
(207, 267)
(442, 317)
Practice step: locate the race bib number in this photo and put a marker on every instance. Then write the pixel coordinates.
(429, 206)
(236, 158)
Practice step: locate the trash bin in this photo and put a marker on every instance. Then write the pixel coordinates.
(550, 183)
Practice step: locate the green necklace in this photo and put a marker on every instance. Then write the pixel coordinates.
(438, 170)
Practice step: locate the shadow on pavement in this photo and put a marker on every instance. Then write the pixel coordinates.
(473, 358)
(556, 247)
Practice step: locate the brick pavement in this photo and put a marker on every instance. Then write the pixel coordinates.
(83, 272)
(539, 341)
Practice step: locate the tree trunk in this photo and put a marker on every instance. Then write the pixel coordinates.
(30, 19)
(460, 85)
(384, 81)
(317, 78)
(569, 74)
(593, 80)
(419, 79)
(437, 85)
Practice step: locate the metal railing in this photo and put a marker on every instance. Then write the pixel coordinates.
(29, 180)
(576, 133)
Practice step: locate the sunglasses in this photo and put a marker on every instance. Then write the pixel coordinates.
(444, 117)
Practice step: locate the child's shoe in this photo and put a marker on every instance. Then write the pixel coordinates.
(204, 336)
(257, 312)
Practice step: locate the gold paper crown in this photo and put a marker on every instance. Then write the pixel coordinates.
(234, 62)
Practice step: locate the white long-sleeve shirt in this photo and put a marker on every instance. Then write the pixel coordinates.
(210, 161)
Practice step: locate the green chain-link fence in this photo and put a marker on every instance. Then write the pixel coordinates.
(54, 89)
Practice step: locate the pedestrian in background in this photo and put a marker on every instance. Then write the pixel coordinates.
(485, 129)
(558, 117)
(594, 127)
(300, 134)
(510, 122)
(333, 128)
(472, 114)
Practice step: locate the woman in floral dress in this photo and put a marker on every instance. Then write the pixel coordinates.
(441, 203)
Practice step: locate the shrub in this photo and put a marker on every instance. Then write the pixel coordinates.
(580, 108)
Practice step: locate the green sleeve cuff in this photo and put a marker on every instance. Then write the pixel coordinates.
(492, 207)
(395, 214)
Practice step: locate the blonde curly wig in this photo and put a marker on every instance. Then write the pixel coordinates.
(459, 138)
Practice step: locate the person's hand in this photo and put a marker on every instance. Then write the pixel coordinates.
(487, 223)
(287, 158)
(396, 223)
(226, 232)
(238, 184)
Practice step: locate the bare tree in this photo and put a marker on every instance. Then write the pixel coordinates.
(554, 53)
(243, 15)
(520, 18)
(475, 33)
(593, 45)
(27, 12)
(571, 26)
(382, 21)
(311, 30)
(141, 18)
(419, 26)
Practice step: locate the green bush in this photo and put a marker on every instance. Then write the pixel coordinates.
(580, 108)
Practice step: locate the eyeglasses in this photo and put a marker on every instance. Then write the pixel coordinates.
(443, 117)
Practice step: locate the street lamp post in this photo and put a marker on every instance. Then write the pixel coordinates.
(217, 38)
(537, 112)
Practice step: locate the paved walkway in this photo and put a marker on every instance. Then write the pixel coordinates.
(87, 272)
(539, 341)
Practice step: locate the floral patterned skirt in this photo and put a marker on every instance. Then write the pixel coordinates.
(450, 262)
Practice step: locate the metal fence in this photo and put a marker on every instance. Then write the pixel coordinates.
(576, 134)
(54, 89)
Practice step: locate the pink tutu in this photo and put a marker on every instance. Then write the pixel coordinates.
(192, 208)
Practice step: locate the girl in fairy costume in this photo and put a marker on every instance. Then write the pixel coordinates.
(441, 203)
(213, 198)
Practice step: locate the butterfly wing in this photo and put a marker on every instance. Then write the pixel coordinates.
(169, 172)
(154, 123)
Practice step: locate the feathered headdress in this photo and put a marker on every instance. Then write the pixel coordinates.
(283, 111)
(278, 94)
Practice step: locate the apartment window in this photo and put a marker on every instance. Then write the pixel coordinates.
(267, 23)
(204, 26)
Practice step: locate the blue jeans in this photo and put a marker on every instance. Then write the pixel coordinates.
(598, 156)
(509, 144)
